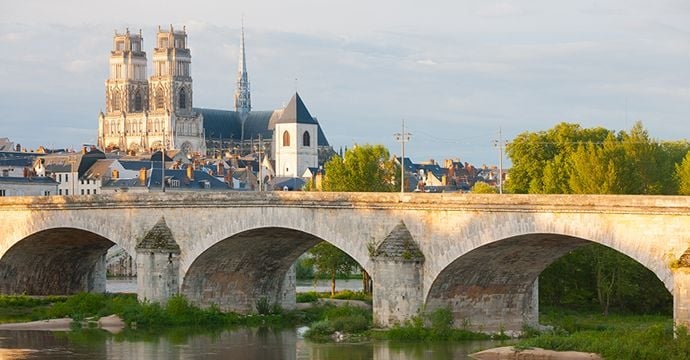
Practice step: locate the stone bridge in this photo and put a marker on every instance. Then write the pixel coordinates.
(480, 255)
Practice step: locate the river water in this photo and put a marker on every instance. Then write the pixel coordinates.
(242, 343)
(238, 343)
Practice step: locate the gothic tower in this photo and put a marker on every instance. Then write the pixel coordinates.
(243, 101)
(170, 96)
(126, 89)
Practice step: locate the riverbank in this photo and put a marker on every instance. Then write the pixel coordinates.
(112, 324)
(511, 353)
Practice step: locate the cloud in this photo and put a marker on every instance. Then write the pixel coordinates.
(426, 62)
(499, 9)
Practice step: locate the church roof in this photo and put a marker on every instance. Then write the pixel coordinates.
(296, 113)
(227, 123)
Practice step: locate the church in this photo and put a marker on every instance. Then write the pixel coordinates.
(143, 115)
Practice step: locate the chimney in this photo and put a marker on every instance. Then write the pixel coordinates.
(190, 172)
(115, 174)
(142, 176)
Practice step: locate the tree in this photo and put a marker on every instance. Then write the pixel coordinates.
(683, 175)
(481, 187)
(330, 261)
(363, 168)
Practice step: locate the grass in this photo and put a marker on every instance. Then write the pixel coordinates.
(313, 296)
(434, 326)
(614, 336)
(351, 320)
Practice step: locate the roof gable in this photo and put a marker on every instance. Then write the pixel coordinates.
(296, 113)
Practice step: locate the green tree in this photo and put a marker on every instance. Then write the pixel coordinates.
(363, 168)
(683, 175)
(330, 262)
(481, 187)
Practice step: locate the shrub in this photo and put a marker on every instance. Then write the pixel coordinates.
(307, 297)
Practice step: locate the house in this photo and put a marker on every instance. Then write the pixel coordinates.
(69, 170)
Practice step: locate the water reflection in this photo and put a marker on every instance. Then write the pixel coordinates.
(242, 343)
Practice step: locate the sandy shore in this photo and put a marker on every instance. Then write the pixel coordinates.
(112, 324)
(509, 353)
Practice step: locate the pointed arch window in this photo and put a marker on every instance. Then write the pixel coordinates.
(138, 102)
(160, 99)
(183, 99)
(306, 139)
(286, 138)
(115, 101)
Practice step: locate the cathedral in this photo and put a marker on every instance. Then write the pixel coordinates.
(143, 115)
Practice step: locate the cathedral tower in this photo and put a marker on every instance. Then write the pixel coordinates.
(170, 95)
(126, 89)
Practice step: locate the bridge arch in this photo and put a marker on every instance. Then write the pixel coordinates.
(237, 271)
(55, 261)
(494, 286)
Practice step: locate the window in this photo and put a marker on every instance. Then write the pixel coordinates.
(137, 101)
(163, 43)
(306, 139)
(66, 192)
(160, 99)
(115, 100)
(88, 191)
(286, 138)
(120, 45)
(46, 193)
(82, 191)
(59, 177)
(66, 177)
(183, 99)
(3, 192)
(59, 191)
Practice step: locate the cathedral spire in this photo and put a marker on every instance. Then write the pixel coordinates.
(243, 102)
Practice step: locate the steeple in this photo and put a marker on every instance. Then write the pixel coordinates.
(243, 102)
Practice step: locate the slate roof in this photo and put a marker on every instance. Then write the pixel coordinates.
(186, 183)
(399, 245)
(226, 124)
(62, 162)
(124, 183)
(296, 113)
(159, 238)
(136, 165)
(292, 183)
(28, 180)
(99, 169)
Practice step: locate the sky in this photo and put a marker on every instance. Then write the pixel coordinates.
(455, 71)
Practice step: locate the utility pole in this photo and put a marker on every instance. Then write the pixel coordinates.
(163, 161)
(402, 137)
(500, 143)
(260, 151)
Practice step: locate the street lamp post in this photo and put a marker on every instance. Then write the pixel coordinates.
(402, 137)
(500, 143)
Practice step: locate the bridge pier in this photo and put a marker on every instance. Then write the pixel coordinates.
(681, 292)
(397, 278)
(158, 265)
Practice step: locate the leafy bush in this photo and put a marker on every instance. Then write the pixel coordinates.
(307, 297)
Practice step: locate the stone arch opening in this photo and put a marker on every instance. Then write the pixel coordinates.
(58, 261)
(495, 287)
(238, 271)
